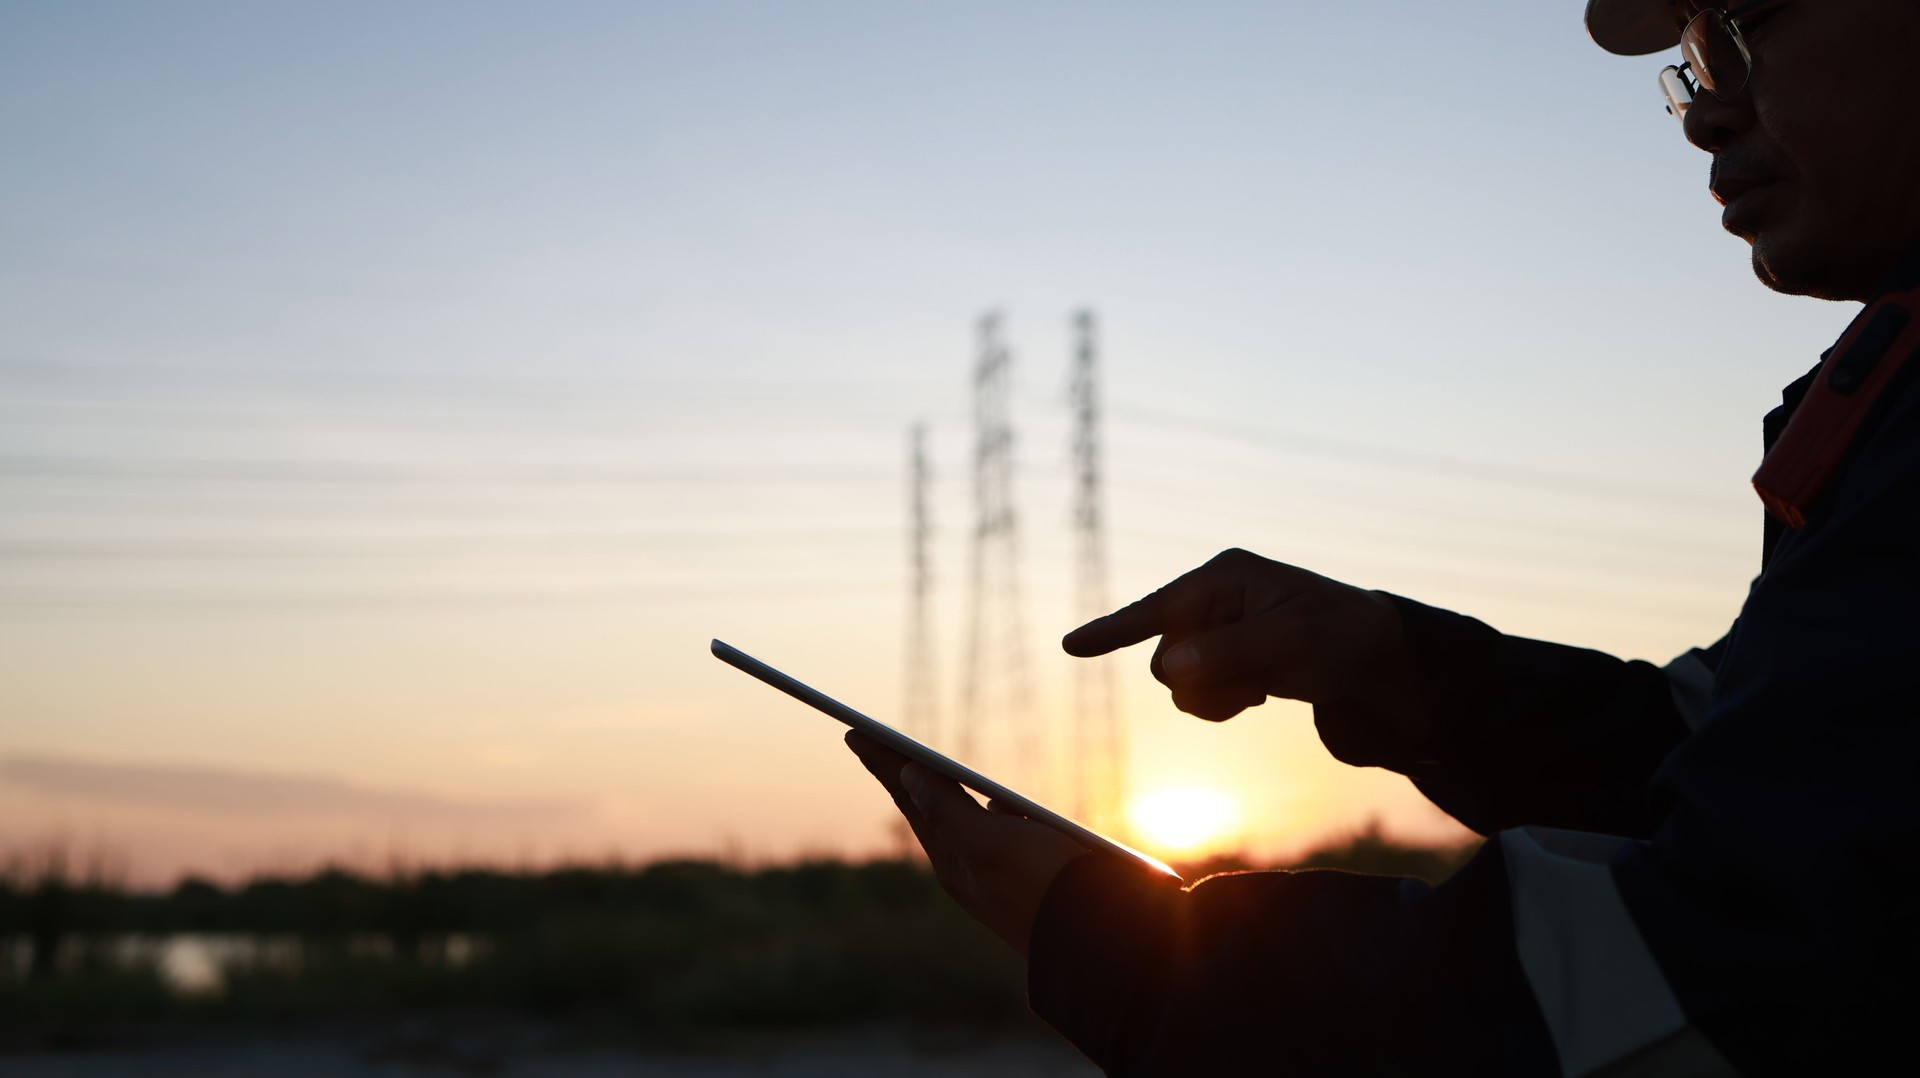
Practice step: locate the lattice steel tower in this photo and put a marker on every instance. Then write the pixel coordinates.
(996, 704)
(920, 713)
(1099, 738)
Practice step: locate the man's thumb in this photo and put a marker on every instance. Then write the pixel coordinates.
(1181, 662)
(938, 800)
(913, 778)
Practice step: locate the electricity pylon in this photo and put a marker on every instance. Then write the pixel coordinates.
(996, 712)
(1099, 738)
(920, 713)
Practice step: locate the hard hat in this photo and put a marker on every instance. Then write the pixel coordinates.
(1635, 27)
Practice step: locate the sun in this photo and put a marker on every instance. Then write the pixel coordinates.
(1179, 821)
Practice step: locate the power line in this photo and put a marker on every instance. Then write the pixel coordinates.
(400, 546)
(15, 466)
(616, 420)
(1612, 594)
(519, 390)
(17, 599)
(1505, 539)
(1400, 458)
(363, 382)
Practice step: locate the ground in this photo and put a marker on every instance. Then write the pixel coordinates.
(520, 1050)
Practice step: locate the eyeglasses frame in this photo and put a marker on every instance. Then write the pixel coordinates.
(1678, 83)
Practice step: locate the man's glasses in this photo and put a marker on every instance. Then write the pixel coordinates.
(1717, 57)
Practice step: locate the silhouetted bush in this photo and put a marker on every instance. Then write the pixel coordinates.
(1372, 852)
(665, 946)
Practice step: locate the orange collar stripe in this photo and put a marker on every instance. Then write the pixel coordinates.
(1880, 342)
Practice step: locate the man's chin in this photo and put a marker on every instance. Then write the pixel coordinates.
(1800, 269)
(1822, 261)
(1767, 270)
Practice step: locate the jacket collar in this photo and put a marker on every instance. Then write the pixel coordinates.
(1904, 278)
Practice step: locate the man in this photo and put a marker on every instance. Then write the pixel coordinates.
(1703, 869)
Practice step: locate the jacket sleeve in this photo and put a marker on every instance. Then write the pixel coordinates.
(1529, 732)
(1765, 926)
(1309, 973)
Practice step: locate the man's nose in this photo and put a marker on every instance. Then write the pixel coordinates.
(1711, 123)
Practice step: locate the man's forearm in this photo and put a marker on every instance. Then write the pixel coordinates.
(1520, 731)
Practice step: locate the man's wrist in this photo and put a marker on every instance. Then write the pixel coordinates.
(1384, 720)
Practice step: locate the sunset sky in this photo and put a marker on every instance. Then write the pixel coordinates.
(395, 399)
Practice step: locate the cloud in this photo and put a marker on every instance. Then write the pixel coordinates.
(225, 792)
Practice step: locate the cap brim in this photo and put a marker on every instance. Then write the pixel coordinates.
(1634, 27)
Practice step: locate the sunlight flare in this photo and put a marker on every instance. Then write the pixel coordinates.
(1181, 820)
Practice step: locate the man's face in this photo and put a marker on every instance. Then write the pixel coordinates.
(1818, 162)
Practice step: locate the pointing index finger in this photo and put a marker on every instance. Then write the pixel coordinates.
(1129, 625)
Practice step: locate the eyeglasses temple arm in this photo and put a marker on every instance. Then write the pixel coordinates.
(1673, 87)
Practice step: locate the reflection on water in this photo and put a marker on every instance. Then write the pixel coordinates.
(191, 966)
(199, 964)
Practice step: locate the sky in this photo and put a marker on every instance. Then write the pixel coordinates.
(395, 399)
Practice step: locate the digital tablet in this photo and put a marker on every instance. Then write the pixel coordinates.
(933, 761)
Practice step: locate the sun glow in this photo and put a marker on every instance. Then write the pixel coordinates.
(1181, 821)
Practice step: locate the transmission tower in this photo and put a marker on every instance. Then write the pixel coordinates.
(1099, 739)
(920, 711)
(995, 696)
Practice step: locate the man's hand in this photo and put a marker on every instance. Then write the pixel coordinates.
(1242, 628)
(995, 864)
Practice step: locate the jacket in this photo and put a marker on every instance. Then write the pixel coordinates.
(1704, 868)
